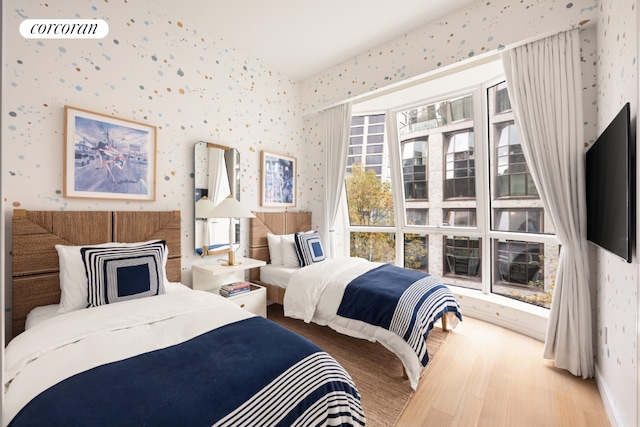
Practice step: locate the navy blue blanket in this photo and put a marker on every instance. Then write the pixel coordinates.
(406, 302)
(252, 372)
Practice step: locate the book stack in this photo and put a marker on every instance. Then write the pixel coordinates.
(234, 289)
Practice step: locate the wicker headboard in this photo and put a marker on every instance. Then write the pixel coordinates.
(35, 263)
(276, 223)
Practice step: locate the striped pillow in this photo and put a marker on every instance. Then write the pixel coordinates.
(309, 248)
(121, 273)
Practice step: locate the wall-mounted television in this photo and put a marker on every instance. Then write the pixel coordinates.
(610, 186)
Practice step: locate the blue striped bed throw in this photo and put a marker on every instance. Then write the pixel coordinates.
(405, 302)
(248, 373)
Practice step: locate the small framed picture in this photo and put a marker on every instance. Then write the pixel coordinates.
(108, 158)
(278, 180)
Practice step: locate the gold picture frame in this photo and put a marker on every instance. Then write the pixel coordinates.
(108, 158)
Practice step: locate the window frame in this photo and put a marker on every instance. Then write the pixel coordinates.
(483, 201)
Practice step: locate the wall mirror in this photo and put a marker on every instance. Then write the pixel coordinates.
(216, 176)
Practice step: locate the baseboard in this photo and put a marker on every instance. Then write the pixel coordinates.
(514, 315)
(606, 400)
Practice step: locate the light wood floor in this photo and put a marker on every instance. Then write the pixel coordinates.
(485, 375)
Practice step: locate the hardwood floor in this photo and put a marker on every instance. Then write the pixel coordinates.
(485, 375)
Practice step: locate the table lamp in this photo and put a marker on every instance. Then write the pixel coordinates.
(231, 208)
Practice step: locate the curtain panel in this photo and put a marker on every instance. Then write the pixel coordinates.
(544, 84)
(334, 126)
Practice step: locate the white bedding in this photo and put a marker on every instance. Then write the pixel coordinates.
(277, 275)
(46, 312)
(49, 351)
(40, 314)
(314, 294)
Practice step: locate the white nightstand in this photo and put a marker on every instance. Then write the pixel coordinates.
(254, 301)
(210, 276)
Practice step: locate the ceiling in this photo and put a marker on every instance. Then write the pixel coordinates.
(302, 38)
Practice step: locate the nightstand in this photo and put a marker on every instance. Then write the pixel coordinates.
(254, 301)
(210, 276)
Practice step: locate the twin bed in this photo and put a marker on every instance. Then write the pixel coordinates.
(148, 350)
(394, 306)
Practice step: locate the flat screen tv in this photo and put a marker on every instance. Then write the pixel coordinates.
(610, 184)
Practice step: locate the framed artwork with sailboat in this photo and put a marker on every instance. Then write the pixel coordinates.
(108, 158)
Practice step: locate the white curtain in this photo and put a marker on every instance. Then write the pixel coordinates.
(543, 79)
(217, 230)
(334, 127)
(218, 183)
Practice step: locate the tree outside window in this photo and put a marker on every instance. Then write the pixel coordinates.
(370, 203)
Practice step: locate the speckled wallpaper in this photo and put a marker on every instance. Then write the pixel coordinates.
(480, 29)
(152, 68)
(617, 281)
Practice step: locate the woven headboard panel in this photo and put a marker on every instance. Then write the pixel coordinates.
(35, 277)
(276, 223)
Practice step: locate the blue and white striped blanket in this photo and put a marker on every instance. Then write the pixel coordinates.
(252, 372)
(184, 358)
(405, 302)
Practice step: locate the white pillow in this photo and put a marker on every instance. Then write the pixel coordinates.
(288, 248)
(73, 277)
(275, 253)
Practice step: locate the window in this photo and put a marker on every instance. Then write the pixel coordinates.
(437, 158)
(416, 251)
(513, 177)
(519, 262)
(354, 159)
(472, 213)
(417, 216)
(355, 150)
(502, 102)
(460, 166)
(369, 196)
(373, 246)
(460, 217)
(521, 220)
(414, 169)
(523, 269)
(463, 256)
(367, 136)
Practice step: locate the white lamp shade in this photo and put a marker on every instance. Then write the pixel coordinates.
(230, 208)
(204, 207)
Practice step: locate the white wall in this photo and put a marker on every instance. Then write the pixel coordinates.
(617, 281)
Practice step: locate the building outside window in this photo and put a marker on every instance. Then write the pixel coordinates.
(460, 168)
(414, 169)
(513, 177)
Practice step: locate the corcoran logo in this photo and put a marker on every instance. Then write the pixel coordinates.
(64, 29)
